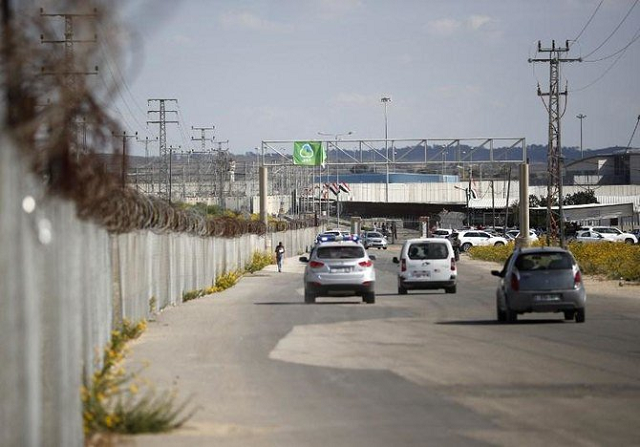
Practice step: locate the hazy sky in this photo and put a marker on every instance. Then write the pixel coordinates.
(287, 69)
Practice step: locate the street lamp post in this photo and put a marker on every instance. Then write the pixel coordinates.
(386, 100)
(336, 137)
(581, 117)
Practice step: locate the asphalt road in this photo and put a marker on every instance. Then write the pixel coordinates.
(425, 369)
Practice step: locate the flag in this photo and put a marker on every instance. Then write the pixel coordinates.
(309, 153)
(334, 188)
(345, 187)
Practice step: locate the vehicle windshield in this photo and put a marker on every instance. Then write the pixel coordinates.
(428, 250)
(544, 261)
(347, 252)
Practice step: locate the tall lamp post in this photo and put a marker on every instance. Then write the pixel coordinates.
(336, 137)
(386, 100)
(581, 117)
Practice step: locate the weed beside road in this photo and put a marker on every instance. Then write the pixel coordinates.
(610, 260)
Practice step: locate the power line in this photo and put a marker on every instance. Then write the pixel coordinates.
(621, 50)
(633, 133)
(614, 30)
(588, 21)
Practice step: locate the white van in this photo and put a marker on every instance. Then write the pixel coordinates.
(427, 263)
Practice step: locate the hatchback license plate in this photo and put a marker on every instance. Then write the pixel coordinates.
(547, 297)
(340, 269)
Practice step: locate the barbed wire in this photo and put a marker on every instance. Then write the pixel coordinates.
(78, 172)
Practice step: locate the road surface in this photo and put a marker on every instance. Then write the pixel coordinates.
(425, 369)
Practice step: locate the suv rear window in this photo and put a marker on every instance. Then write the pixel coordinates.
(354, 252)
(428, 250)
(544, 261)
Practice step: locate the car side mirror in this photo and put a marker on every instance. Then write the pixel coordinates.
(496, 273)
(303, 259)
(372, 257)
(396, 260)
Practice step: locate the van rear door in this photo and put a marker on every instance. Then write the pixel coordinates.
(428, 261)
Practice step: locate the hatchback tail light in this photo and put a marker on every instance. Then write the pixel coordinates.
(577, 279)
(316, 264)
(453, 264)
(515, 282)
(403, 265)
(366, 263)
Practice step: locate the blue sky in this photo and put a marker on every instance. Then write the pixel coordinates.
(285, 70)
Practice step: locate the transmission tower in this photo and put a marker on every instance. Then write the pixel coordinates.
(555, 221)
(69, 72)
(164, 174)
(203, 152)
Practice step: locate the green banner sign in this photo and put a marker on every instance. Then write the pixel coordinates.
(308, 153)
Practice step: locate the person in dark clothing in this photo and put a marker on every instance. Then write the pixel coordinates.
(279, 255)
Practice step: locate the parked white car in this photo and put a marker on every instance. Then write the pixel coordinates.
(516, 234)
(442, 233)
(589, 237)
(473, 238)
(614, 234)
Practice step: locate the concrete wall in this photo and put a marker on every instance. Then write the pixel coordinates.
(66, 283)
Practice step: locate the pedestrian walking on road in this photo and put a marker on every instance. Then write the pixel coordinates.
(279, 255)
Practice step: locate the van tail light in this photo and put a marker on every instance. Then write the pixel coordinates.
(366, 263)
(453, 264)
(577, 279)
(316, 264)
(403, 265)
(515, 282)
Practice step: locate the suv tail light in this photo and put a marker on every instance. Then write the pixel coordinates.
(577, 279)
(453, 264)
(515, 282)
(366, 263)
(316, 264)
(403, 265)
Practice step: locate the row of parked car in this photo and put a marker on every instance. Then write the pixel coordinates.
(370, 239)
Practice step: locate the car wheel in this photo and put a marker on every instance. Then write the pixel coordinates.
(466, 246)
(569, 315)
(512, 316)
(402, 290)
(384, 248)
(628, 241)
(501, 314)
(369, 297)
(451, 289)
(499, 244)
(309, 298)
(580, 315)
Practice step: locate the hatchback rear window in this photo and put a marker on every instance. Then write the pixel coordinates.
(428, 250)
(354, 252)
(544, 261)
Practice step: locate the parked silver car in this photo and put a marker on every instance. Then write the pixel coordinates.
(339, 269)
(540, 280)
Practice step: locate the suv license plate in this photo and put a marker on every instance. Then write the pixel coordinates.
(340, 269)
(549, 297)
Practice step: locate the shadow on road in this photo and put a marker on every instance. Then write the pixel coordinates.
(294, 303)
(496, 322)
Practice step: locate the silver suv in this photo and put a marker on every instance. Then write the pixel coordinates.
(339, 269)
(614, 234)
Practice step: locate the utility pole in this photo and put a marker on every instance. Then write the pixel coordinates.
(555, 223)
(581, 117)
(148, 167)
(124, 137)
(386, 100)
(69, 72)
(164, 181)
